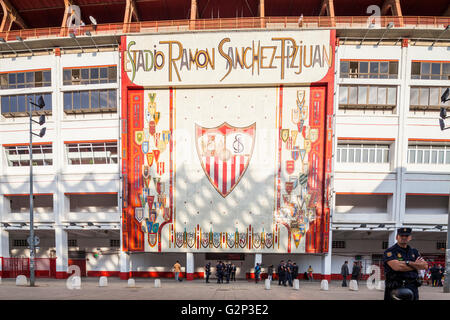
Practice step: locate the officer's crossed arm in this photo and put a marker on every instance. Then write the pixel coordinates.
(419, 264)
(397, 265)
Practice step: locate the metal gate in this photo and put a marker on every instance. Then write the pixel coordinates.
(13, 267)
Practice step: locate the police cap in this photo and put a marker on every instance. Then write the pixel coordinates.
(404, 231)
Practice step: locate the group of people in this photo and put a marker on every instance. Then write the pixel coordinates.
(227, 271)
(356, 272)
(435, 274)
(287, 271)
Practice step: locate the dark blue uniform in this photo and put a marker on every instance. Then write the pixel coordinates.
(399, 279)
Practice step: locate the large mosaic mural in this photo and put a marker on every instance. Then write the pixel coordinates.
(213, 167)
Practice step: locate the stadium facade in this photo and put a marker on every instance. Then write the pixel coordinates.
(251, 131)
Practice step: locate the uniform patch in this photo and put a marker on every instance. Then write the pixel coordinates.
(389, 254)
(399, 255)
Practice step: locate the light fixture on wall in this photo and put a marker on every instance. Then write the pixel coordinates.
(2, 40)
(381, 225)
(442, 33)
(88, 33)
(363, 225)
(389, 26)
(443, 112)
(74, 37)
(25, 45)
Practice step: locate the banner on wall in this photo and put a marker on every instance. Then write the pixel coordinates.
(211, 167)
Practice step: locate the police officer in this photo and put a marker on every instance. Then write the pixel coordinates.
(208, 271)
(228, 271)
(401, 265)
(219, 272)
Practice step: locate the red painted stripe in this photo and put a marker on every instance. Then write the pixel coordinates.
(216, 171)
(224, 177)
(241, 169)
(233, 171)
(208, 166)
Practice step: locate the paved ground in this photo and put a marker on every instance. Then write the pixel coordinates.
(51, 289)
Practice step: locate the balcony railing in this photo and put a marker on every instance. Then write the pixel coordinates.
(360, 22)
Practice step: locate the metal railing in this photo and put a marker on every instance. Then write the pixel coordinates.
(230, 23)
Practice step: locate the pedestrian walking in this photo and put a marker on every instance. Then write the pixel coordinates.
(289, 270)
(257, 272)
(344, 273)
(270, 272)
(177, 270)
(401, 265)
(355, 271)
(208, 271)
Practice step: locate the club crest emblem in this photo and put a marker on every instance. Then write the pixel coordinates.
(231, 239)
(150, 158)
(216, 239)
(284, 134)
(269, 240)
(314, 134)
(242, 240)
(145, 147)
(256, 240)
(300, 98)
(290, 166)
(295, 153)
(179, 239)
(152, 127)
(139, 214)
(225, 152)
(296, 235)
(139, 137)
(205, 239)
(152, 239)
(156, 116)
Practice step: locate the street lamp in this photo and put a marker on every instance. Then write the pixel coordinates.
(443, 115)
(40, 104)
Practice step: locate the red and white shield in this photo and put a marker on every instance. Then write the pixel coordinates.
(225, 152)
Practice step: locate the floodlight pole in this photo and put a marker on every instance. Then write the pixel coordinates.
(447, 259)
(32, 247)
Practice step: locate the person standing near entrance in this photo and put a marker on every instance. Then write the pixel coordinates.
(177, 270)
(355, 271)
(281, 273)
(219, 272)
(233, 272)
(401, 265)
(208, 271)
(344, 273)
(294, 271)
(270, 272)
(310, 273)
(289, 272)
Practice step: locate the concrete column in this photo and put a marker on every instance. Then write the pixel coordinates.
(392, 240)
(258, 258)
(125, 266)
(189, 266)
(326, 260)
(62, 252)
(4, 246)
